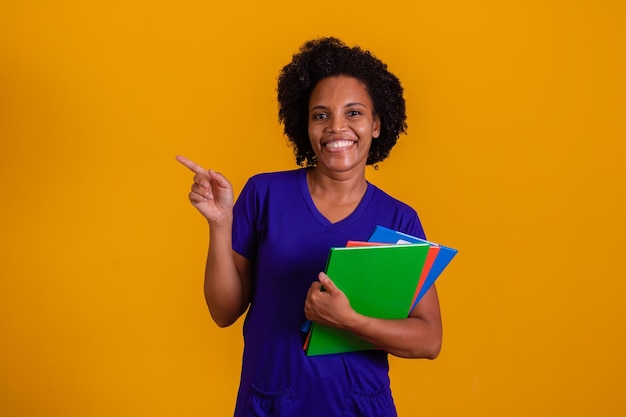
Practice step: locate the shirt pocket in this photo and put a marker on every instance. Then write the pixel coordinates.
(271, 404)
(377, 403)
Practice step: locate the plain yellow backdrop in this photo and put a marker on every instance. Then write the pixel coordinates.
(515, 155)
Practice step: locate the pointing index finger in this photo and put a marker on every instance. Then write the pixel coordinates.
(191, 165)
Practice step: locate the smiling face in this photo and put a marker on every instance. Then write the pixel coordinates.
(341, 124)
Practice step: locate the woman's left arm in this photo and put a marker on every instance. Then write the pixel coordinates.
(418, 336)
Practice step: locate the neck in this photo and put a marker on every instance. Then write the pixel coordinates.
(342, 186)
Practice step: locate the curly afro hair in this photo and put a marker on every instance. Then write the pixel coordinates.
(326, 57)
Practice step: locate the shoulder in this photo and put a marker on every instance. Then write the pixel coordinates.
(395, 214)
(270, 178)
(273, 182)
(380, 197)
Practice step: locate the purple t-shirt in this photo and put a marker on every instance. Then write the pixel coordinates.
(278, 228)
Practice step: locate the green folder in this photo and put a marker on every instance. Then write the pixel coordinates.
(379, 281)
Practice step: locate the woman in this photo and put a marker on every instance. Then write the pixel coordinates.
(342, 110)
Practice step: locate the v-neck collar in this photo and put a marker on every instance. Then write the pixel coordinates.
(351, 218)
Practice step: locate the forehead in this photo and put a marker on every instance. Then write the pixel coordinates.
(342, 88)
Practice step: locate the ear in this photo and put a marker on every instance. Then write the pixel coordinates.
(376, 127)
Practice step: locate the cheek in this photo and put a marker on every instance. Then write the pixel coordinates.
(365, 132)
(314, 133)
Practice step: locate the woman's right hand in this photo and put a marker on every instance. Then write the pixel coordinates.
(211, 193)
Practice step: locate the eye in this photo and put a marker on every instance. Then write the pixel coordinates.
(353, 113)
(319, 116)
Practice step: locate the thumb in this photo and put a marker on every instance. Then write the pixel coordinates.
(220, 179)
(327, 283)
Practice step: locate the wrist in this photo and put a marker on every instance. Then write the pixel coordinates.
(356, 322)
(225, 221)
(220, 229)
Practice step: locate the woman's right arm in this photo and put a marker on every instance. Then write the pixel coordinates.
(226, 277)
(227, 274)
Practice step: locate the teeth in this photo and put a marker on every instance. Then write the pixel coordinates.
(339, 144)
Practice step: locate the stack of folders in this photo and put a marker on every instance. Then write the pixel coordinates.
(384, 277)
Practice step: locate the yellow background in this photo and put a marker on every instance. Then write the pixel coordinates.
(515, 156)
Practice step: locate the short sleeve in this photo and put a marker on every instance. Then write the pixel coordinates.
(414, 227)
(245, 213)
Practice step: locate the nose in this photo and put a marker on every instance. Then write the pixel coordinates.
(336, 124)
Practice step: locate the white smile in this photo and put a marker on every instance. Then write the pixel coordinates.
(339, 144)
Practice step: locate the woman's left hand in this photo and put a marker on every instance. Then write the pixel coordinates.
(328, 305)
